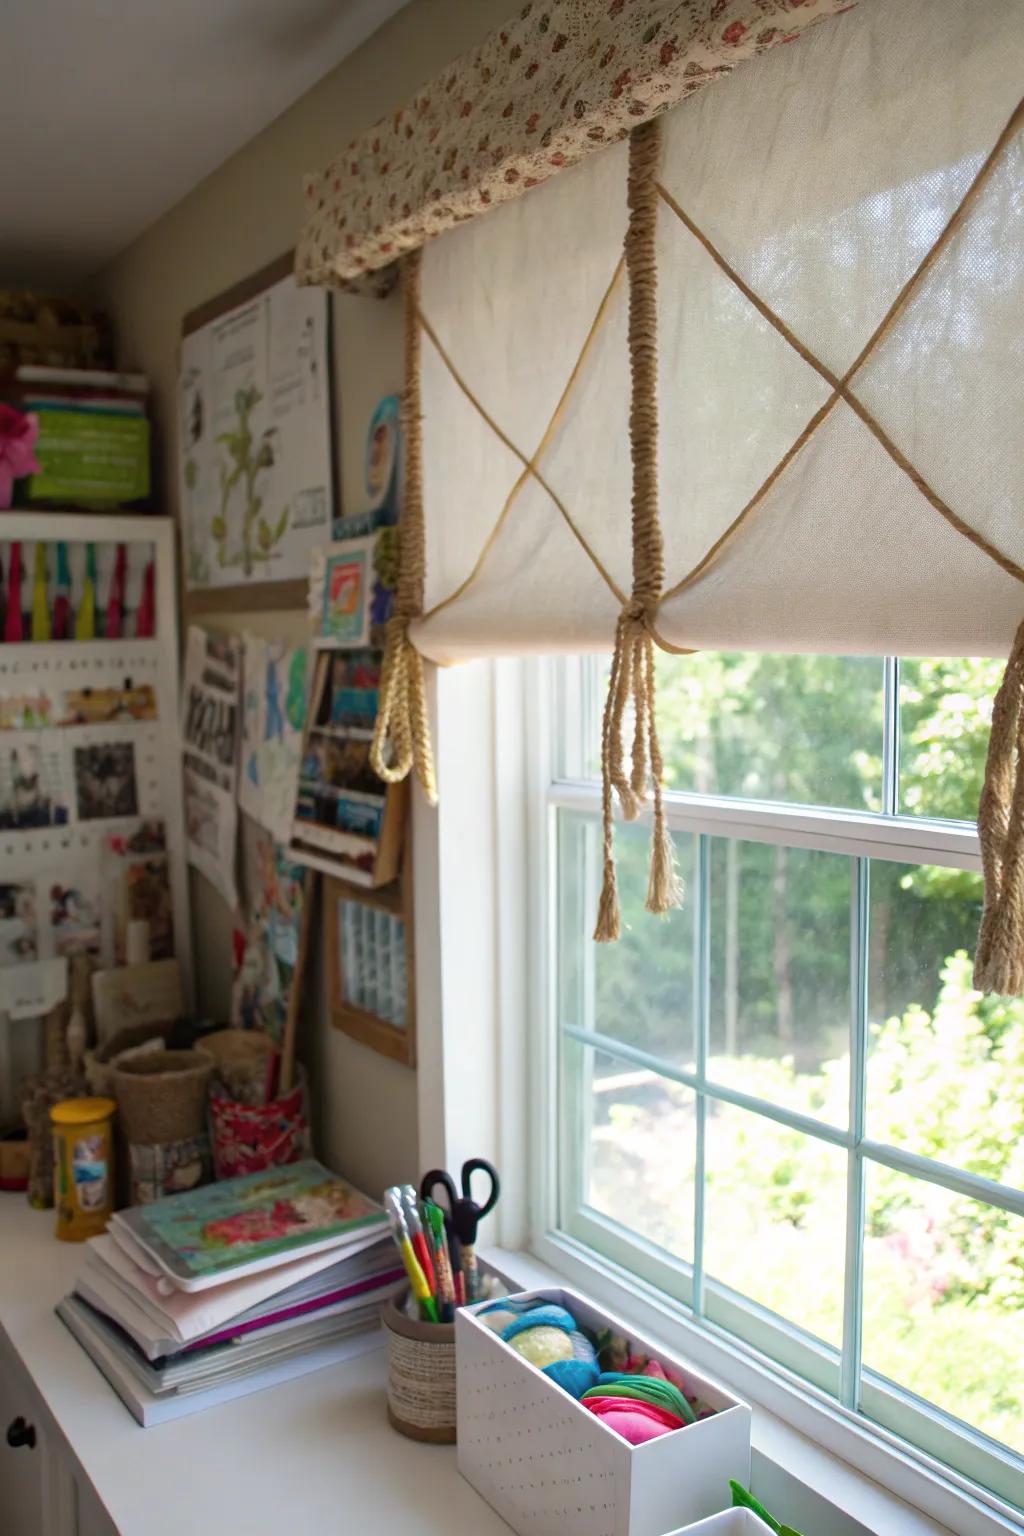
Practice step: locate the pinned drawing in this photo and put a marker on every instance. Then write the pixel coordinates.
(254, 434)
(273, 714)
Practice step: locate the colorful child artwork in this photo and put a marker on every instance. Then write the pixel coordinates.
(26, 711)
(273, 714)
(76, 913)
(214, 1230)
(355, 690)
(383, 475)
(270, 948)
(351, 590)
(211, 733)
(255, 438)
(103, 706)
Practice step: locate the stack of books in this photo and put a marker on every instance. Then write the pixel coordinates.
(217, 1292)
(93, 445)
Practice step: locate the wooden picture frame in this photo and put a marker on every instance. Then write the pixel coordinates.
(369, 1028)
(247, 595)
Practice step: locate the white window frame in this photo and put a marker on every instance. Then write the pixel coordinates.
(892, 1455)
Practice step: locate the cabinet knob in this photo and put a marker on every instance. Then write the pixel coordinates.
(19, 1433)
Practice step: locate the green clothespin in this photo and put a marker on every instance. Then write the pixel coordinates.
(742, 1499)
(85, 622)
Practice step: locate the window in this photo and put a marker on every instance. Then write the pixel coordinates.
(784, 1105)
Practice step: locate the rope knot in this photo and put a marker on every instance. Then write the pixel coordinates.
(401, 732)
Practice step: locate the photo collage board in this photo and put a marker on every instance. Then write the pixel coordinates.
(83, 840)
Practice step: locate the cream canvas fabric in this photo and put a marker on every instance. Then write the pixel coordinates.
(822, 174)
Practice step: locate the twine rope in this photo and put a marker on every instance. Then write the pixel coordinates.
(401, 734)
(632, 670)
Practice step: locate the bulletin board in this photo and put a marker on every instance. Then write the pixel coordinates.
(91, 826)
(255, 442)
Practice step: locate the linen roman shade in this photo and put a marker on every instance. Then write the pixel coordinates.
(751, 379)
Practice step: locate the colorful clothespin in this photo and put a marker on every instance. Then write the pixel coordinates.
(85, 622)
(14, 627)
(145, 619)
(113, 629)
(62, 596)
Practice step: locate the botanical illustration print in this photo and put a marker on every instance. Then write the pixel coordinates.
(561, 80)
(254, 439)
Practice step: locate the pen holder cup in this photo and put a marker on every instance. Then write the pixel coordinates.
(421, 1376)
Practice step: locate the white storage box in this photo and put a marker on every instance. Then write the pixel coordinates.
(551, 1468)
(731, 1522)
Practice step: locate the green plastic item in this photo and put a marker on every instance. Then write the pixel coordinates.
(646, 1389)
(743, 1499)
(91, 458)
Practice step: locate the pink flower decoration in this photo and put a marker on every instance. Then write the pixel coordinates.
(18, 434)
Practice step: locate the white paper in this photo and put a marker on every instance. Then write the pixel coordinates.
(254, 435)
(273, 711)
(210, 730)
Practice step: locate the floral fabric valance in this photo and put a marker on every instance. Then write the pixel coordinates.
(562, 79)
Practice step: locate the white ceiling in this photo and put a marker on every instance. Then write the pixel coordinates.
(111, 110)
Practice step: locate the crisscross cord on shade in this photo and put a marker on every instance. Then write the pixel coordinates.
(999, 961)
(401, 733)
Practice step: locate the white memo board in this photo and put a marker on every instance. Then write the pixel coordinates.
(80, 756)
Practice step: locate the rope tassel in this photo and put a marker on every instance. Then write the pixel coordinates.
(999, 962)
(401, 733)
(632, 673)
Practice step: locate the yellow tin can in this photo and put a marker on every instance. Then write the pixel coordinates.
(83, 1166)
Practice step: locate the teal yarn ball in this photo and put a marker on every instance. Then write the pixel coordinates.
(573, 1376)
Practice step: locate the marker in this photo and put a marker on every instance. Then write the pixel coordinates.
(415, 1229)
(445, 1278)
(417, 1279)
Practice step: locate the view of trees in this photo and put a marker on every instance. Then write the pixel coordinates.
(944, 1275)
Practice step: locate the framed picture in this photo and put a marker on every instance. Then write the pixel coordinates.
(255, 447)
(370, 952)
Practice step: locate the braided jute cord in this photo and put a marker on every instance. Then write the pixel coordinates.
(401, 733)
(632, 670)
(999, 960)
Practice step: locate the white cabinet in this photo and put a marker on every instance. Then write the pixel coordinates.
(22, 1455)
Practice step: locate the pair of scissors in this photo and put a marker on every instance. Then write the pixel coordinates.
(463, 1213)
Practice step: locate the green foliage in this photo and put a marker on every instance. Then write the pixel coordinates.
(944, 1274)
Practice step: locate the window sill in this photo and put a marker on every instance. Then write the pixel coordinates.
(798, 1468)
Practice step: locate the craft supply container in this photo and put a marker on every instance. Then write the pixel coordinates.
(731, 1522)
(549, 1467)
(161, 1096)
(83, 1151)
(421, 1375)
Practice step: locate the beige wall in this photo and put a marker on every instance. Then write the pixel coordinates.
(236, 221)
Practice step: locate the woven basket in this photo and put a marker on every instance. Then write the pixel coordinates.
(242, 1057)
(421, 1376)
(161, 1096)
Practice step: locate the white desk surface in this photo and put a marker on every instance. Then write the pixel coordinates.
(314, 1455)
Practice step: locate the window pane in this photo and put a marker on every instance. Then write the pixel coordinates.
(775, 1216)
(944, 1301)
(945, 1065)
(640, 990)
(635, 1147)
(780, 975)
(802, 729)
(945, 714)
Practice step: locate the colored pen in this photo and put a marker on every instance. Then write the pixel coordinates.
(455, 1249)
(416, 1235)
(417, 1279)
(445, 1279)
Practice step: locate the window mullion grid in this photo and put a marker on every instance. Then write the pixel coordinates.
(891, 737)
(702, 1023)
(853, 1293)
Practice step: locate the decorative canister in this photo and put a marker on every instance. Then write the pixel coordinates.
(83, 1166)
(421, 1376)
(161, 1096)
